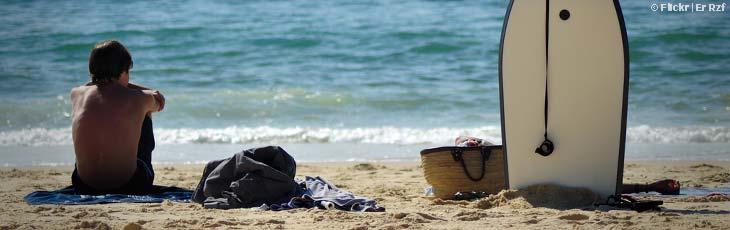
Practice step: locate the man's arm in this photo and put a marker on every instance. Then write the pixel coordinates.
(155, 101)
(138, 87)
(159, 98)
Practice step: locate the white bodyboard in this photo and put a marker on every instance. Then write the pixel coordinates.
(587, 84)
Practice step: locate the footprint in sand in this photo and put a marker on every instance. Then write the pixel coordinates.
(93, 225)
(719, 178)
(574, 216)
(132, 226)
(704, 166)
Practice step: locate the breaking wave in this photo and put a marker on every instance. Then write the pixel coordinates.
(376, 135)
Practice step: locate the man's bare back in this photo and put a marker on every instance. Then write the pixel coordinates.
(106, 124)
(111, 127)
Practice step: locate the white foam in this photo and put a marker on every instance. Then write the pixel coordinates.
(687, 134)
(380, 135)
(36, 137)
(375, 135)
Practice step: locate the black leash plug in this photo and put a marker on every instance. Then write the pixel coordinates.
(546, 148)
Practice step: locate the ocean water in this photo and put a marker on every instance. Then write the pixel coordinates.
(404, 74)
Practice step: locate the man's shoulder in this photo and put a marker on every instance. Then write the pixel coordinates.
(81, 90)
(141, 94)
(108, 91)
(138, 96)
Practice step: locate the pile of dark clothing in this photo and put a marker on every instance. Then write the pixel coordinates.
(264, 178)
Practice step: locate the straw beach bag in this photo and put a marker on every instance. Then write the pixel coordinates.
(464, 169)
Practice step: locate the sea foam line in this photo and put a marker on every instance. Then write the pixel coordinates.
(380, 135)
(375, 135)
(266, 134)
(686, 134)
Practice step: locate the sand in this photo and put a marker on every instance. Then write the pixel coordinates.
(396, 186)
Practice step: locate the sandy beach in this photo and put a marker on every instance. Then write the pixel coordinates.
(397, 186)
(353, 91)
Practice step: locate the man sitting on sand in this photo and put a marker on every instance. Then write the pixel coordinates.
(111, 126)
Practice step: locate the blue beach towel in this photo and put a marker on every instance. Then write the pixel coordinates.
(691, 191)
(66, 196)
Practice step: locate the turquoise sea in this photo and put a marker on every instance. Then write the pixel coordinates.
(389, 77)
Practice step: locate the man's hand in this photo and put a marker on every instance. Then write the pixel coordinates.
(160, 99)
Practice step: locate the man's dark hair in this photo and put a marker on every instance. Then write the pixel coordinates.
(108, 60)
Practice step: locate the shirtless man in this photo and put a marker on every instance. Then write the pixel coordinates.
(111, 126)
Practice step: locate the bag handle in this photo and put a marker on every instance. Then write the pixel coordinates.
(457, 154)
